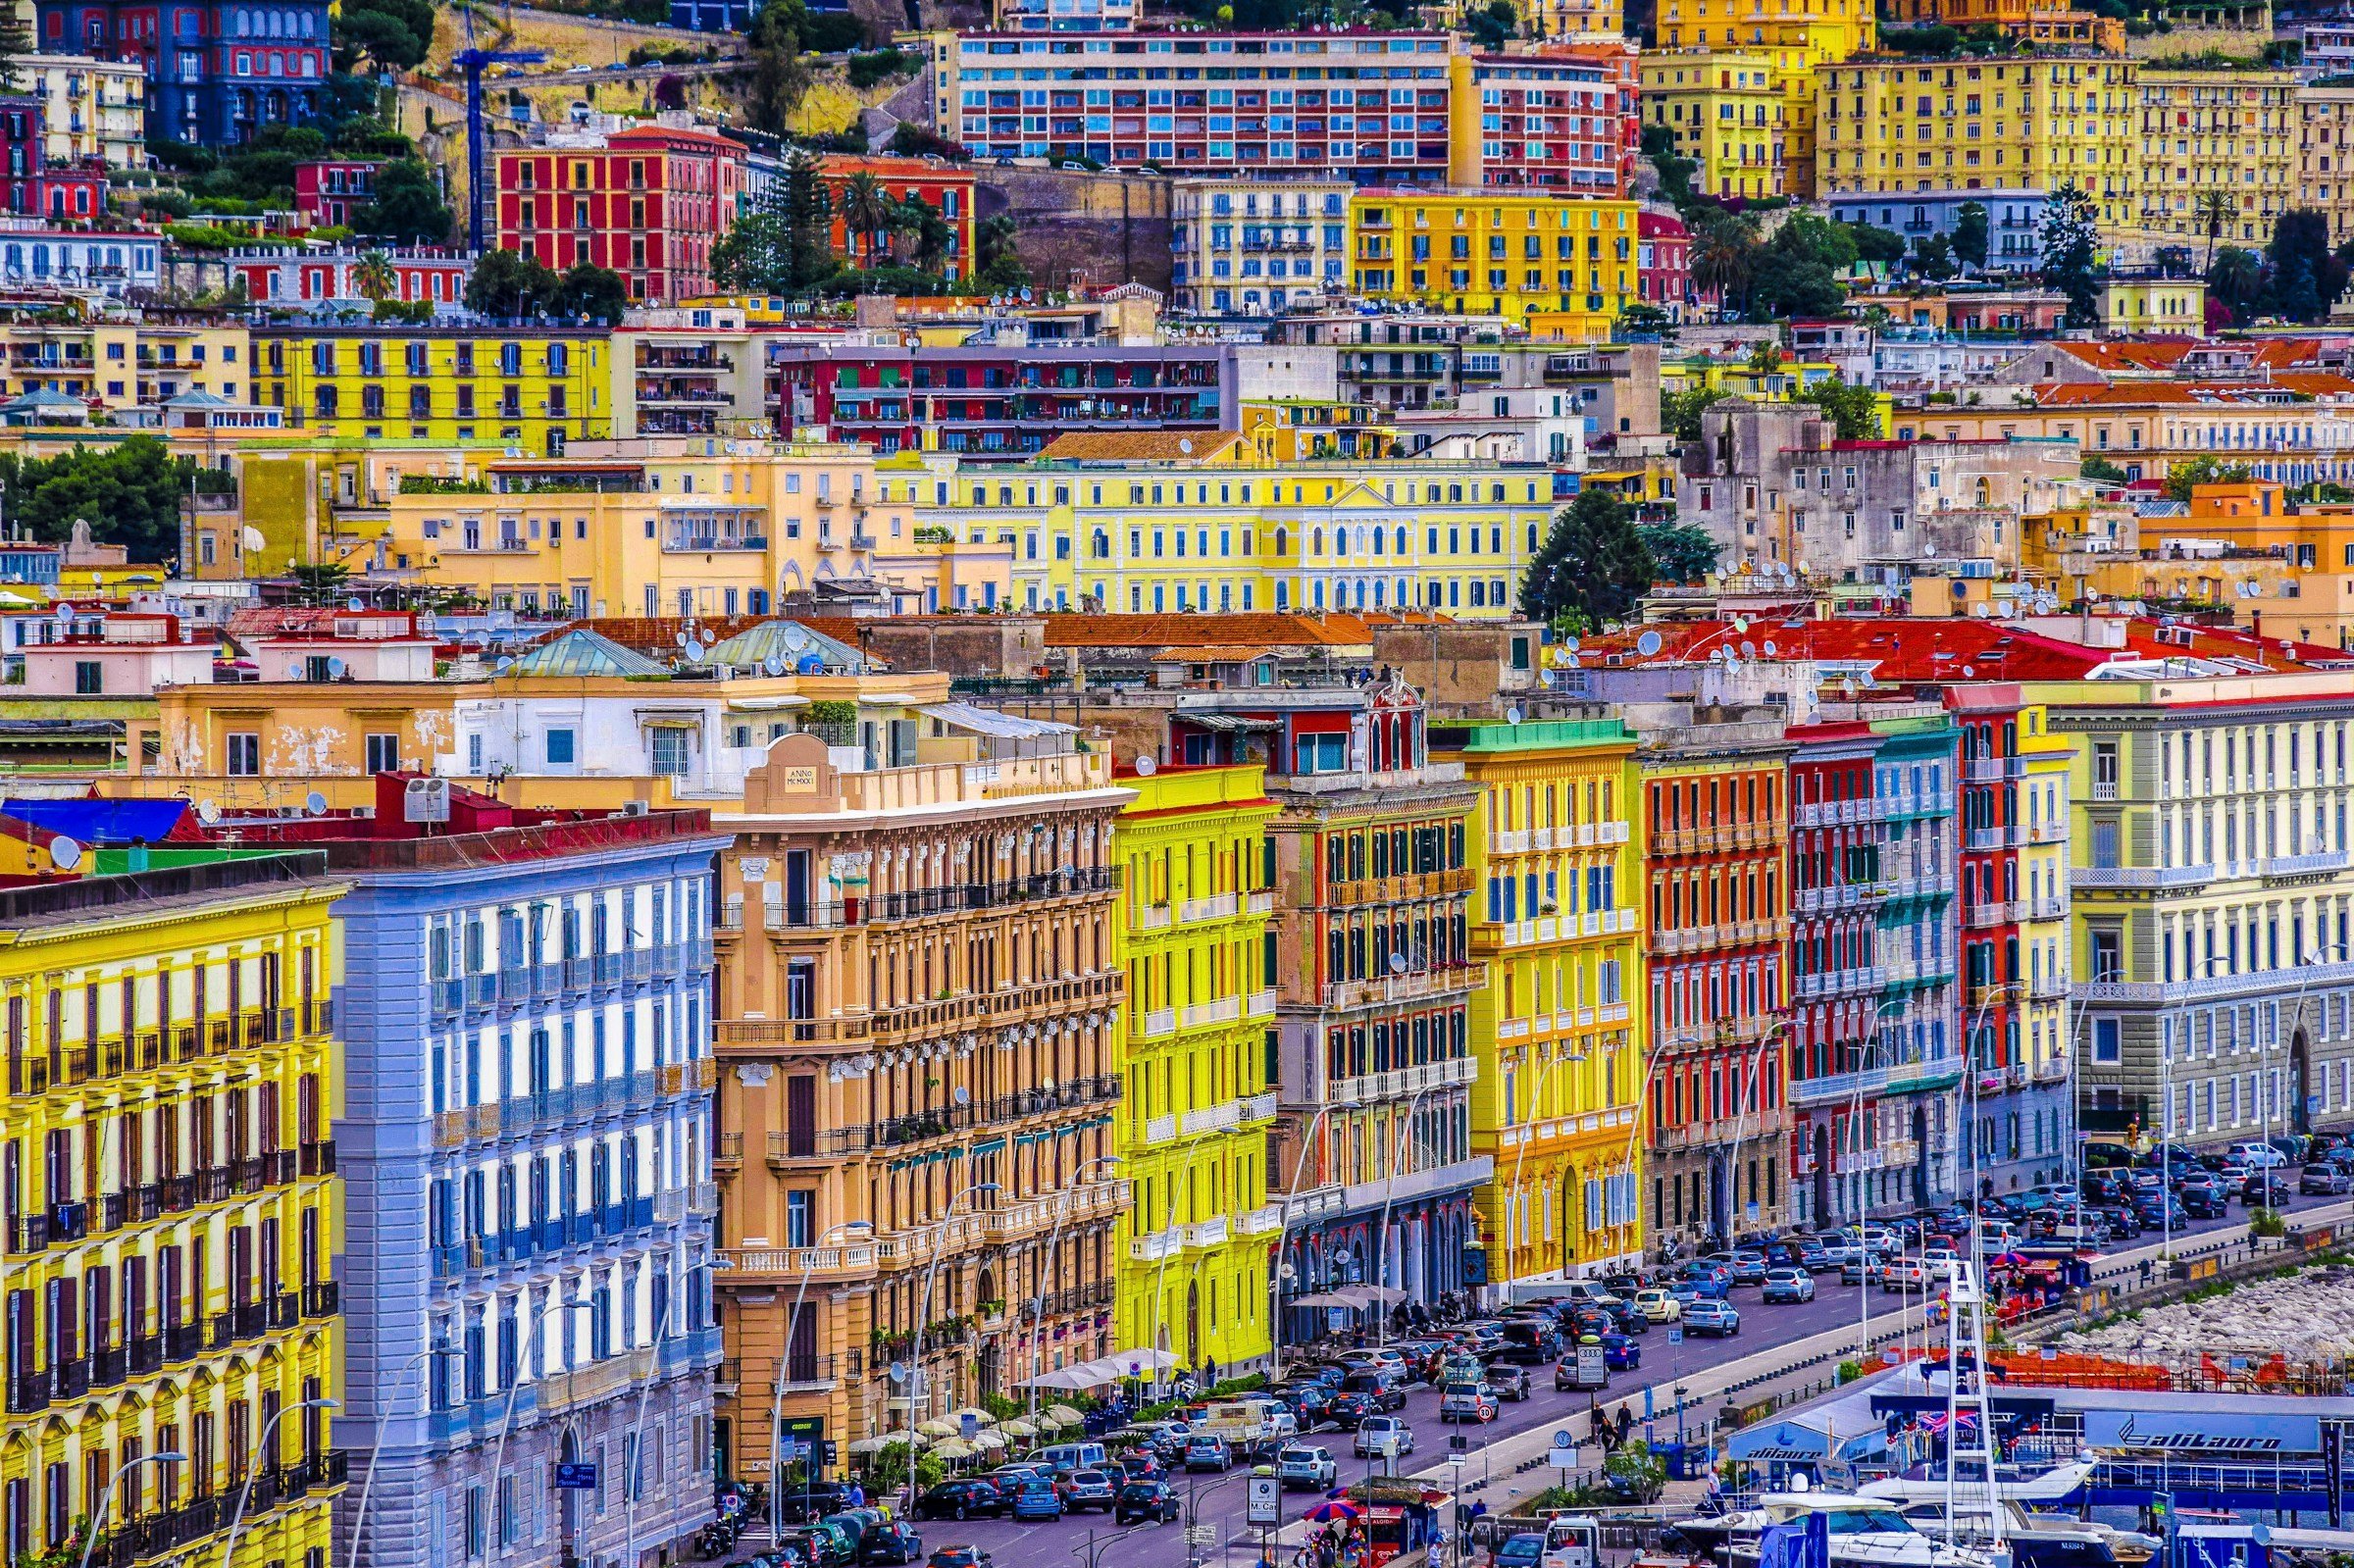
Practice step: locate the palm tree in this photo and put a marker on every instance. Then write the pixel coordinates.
(866, 209)
(1723, 256)
(2216, 209)
(372, 277)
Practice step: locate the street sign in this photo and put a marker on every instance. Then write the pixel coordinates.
(572, 1476)
(1563, 1438)
(971, 1426)
(1592, 1371)
(1675, 1333)
(1562, 1459)
(1201, 1534)
(1264, 1503)
(1458, 1442)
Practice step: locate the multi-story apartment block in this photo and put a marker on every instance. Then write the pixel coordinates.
(2211, 900)
(948, 188)
(1553, 120)
(217, 72)
(90, 108)
(527, 1135)
(1252, 247)
(122, 363)
(648, 201)
(2015, 937)
(1556, 922)
(2013, 219)
(1220, 528)
(2324, 138)
(2045, 123)
(172, 1209)
(1064, 16)
(1562, 269)
(1715, 797)
(533, 386)
(2218, 134)
(1727, 112)
(920, 1001)
(1195, 927)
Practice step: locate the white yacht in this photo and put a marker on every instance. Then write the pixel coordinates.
(1864, 1532)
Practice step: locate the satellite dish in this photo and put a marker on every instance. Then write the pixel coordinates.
(1740, 623)
(1573, 662)
(695, 649)
(335, 667)
(1970, 672)
(503, 662)
(254, 539)
(811, 663)
(1511, 716)
(1748, 651)
(963, 1095)
(1147, 766)
(1648, 643)
(1397, 963)
(1185, 444)
(680, 638)
(314, 804)
(1770, 650)
(772, 665)
(355, 603)
(1571, 643)
(208, 812)
(65, 853)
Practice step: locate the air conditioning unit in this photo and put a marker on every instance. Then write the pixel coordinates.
(635, 808)
(363, 813)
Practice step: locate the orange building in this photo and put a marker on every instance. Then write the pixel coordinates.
(945, 188)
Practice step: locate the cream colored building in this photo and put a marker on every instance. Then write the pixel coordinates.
(2324, 138)
(90, 108)
(1253, 247)
(119, 362)
(2232, 131)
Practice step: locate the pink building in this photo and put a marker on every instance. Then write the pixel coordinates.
(333, 190)
(1664, 264)
(1550, 121)
(299, 644)
(120, 654)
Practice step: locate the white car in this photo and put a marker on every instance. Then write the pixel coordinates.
(1375, 1433)
(1940, 1262)
(2258, 1156)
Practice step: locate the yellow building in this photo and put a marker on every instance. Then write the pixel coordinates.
(1497, 253)
(2135, 303)
(1154, 527)
(529, 387)
(1889, 125)
(1192, 928)
(120, 360)
(2218, 135)
(171, 1208)
(1558, 1097)
(1297, 429)
(1729, 113)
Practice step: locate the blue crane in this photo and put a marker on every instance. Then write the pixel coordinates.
(470, 62)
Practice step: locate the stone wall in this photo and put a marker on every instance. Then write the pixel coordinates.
(1098, 228)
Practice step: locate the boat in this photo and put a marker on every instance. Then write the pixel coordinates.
(2033, 1540)
(2026, 1484)
(1864, 1532)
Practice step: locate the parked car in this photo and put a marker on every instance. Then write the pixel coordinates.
(1468, 1401)
(890, 1542)
(1205, 1454)
(1095, 1489)
(1374, 1431)
(1788, 1285)
(1143, 1501)
(1508, 1381)
(960, 1499)
(1036, 1500)
(2265, 1189)
(1306, 1467)
(1904, 1274)
(1713, 1318)
(2323, 1179)
(1619, 1353)
(819, 1547)
(2205, 1203)
(2256, 1156)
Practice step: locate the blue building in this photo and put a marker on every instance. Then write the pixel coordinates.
(2013, 219)
(526, 1146)
(218, 70)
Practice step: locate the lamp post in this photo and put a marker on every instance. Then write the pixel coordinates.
(633, 1448)
(498, 1451)
(236, 1522)
(106, 1495)
(1038, 1299)
(2297, 1015)
(1381, 1234)
(1854, 1128)
(1308, 1142)
(1513, 1199)
(2166, 1111)
(359, 1520)
(923, 1311)
(1747, 1093)
(775, 1406)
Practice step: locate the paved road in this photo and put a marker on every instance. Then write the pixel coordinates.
(1217, 1501)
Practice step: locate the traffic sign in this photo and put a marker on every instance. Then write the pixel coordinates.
(1265, 1502)
(1201, 1534)
(1564, 1458)
(1564, 1439)
(1675, 1333)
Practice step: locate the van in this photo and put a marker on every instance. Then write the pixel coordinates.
(1530, 1342)
(1067, 1457)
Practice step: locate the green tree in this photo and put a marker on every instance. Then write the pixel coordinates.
(806, 208)
(2183, 478)
(1680, 412)
(774, 76)
(322, 587)
(1855, 411)
(2235, 280)
(2307, 276)
(2215, 210)
(1593, 566)
(1493, 26)
(1970, 234)
(597, 292)
(1724, 256)
(752, 257)
(508, 282)
(1933, 257)
(1797, 271)
(1680, 552)
(2097, 467)
(407, 208)
(1882, 246)
(866, 215)
(16, 42)
(374, 278)
(1674, 169)
(2072, 253)
(384, 35)
(1002, 268)
(128, 494)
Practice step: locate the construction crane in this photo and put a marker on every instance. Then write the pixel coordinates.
(470, 61)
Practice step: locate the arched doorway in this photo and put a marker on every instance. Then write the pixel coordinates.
(2300, 1069)
(1822, 1173)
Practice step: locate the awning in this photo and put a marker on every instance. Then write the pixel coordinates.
(1230, 723)
(1328, 1298)
(1003, 726)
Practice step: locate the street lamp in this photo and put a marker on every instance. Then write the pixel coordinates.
(498, 1451)
(236, 1522)
(1748, 1094)
(106, 1495)
(634, 1447)
(1037, 1300)
(2297, 1014)
(2166, 1111)
(359, 1521)
(1513, 1199)
(775, 1406)
(1381, 1234)
(1308, 1142)
(923, 1311)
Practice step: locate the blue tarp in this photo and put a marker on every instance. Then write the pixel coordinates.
(101, 824)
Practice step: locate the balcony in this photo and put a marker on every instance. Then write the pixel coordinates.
(2102, 879)
(1414, 986)
(2316, 863)
(1399, 1082)
(1999, 912)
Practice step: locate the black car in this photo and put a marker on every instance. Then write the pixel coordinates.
(1154, 1501)
(1309, 1401)
(1508, 1381)
(802, 1505)
(960, 1499)
(890, 1542)
(1346, 1409)
(2266, 1190)
(2205, 1202)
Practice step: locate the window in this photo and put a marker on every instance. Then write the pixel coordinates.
(559, 748)
(666, 751)
(2105, 1047)
(245, 760)
(384, 753)
(89, 677)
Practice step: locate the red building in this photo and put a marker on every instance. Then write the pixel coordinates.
(1621, 62)
(420, 276)
(648, 202)
(1550, 121)
(36, 186)
(945, 188)
(1664, 276)
(333, 190)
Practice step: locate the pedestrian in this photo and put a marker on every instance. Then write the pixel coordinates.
(1626, 1423)
(857, 1494)
(1209, 1373)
